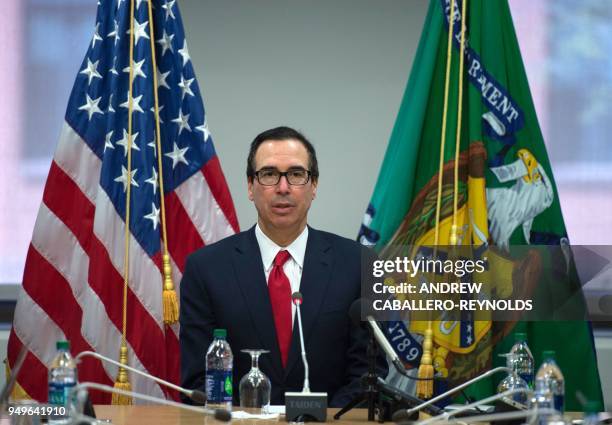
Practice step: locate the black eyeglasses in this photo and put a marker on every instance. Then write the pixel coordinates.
(271, 176)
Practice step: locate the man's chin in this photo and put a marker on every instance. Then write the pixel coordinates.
(283, 222)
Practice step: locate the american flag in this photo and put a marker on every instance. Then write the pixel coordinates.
(73, 278)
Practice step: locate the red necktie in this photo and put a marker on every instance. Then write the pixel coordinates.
(280, 298)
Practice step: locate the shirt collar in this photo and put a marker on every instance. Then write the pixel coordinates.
(269, 248)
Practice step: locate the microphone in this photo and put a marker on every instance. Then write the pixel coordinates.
(403, 397)
(444, 417)
(296, 297)
(305, 405)
(402, 415)
(219, 414)
(507, 417)
(196, 395)
(355, 313)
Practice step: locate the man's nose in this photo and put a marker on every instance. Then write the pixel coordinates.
(283, 185)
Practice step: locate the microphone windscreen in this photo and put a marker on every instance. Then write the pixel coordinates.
(223, 415)
(403, 417)
(296, 297)
(88, 408)
(198, 396)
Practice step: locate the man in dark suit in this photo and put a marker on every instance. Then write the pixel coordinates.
(244, 284)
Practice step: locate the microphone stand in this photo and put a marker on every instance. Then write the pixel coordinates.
(370, 388)
(374, 390)
(305, 405)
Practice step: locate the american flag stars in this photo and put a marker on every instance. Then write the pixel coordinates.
(105, 75)
(91, 106)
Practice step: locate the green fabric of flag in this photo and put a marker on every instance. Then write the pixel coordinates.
(505, 177)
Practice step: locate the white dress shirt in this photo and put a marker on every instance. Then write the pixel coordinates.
(294, 265)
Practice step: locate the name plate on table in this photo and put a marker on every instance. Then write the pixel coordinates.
(305, 407)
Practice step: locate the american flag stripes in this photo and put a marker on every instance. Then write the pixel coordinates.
(73, 283)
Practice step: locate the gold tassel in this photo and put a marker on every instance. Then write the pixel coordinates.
(171, 307)
(122, 382)
(424, 387)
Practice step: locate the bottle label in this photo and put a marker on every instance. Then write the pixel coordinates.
(558, 400)
(219, 386)
(59, 392)
(527, 377)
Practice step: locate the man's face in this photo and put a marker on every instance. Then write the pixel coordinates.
(282, 206)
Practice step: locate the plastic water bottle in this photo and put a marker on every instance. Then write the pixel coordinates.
(514, 382)
(219, 365)
(524, 358)
(62, 378)
(549, 383)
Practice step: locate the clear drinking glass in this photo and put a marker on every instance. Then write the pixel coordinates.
(255, 386)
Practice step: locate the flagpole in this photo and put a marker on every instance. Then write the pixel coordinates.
(170, 300)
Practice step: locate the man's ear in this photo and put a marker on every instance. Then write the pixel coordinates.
(314, 188)
(250, 187)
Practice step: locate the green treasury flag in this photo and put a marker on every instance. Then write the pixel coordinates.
(506, 196)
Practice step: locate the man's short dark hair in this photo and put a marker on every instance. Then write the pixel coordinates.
(282, 133)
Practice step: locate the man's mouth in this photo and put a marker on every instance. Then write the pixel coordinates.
(282, 206)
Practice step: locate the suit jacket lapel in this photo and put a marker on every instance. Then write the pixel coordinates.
(313, 286)
(252, 282)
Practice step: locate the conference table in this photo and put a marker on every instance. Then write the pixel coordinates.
(167, 415)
